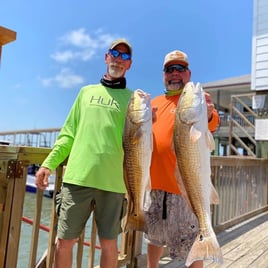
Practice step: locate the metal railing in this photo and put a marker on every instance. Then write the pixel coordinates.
(45, 137)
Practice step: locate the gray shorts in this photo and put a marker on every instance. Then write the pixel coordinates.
(170, 222)
(76, 205)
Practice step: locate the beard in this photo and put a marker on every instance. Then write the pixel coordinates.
(174, 85)
(115, 70)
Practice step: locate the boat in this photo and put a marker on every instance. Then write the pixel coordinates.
(31, 187)
(4, 142)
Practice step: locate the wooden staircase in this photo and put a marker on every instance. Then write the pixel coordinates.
(242, 125)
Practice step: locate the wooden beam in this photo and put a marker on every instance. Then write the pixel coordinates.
(6, 36)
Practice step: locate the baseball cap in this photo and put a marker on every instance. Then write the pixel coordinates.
(176, 57)
(121, 41)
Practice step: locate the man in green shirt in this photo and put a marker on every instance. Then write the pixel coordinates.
(92, 139)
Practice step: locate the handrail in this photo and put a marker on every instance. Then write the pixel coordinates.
(47, 229)
(240, 122)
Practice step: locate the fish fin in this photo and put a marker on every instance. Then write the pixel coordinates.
(205, 248)
(214, 197)
(195, 134)
(210, 141)
(126, 225)
(124, 221)
(136, 136)
(182, 187)
(148, 187)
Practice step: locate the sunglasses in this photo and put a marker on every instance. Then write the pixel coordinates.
(115, 53)
(171, 68)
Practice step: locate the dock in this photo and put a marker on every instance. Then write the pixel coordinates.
(245, 245)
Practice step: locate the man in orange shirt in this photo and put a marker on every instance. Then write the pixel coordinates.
(169, 219)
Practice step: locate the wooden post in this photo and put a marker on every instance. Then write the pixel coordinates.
(6, 193)
(54, 219)
(6, 36)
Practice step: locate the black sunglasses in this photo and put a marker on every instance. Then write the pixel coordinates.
(115, 53)
(171, 68)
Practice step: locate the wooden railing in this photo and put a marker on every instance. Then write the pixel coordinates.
(240, 181)
(14, 162)
(242, 184)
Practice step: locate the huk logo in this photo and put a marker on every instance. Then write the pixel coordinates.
(104, 102)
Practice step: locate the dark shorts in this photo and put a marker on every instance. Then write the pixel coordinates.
(77, 203)
(170, 222)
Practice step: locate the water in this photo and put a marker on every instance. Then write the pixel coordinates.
(26, 229)
(26, 233)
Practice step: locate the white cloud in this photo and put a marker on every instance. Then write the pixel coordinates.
(76, 45)
(78, 38)
(81, 45)
(68, 55)
(65, 79)
(63, 56)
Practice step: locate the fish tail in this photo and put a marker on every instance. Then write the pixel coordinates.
(205, 249)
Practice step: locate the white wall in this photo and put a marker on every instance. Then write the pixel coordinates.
(259, 72)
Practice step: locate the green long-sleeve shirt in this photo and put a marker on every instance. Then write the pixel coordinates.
(92, 138)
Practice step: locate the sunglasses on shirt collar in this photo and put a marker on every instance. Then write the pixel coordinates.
(171, 68)
(115, 53)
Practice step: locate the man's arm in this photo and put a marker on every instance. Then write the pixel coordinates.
(213, 116)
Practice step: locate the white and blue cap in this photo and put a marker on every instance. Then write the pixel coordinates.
(176, 57)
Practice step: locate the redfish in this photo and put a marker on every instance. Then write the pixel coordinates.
(193, 144)
(137, 144)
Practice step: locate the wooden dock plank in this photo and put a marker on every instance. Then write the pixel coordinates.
(243, 246)
(254, 253)
(261, 261)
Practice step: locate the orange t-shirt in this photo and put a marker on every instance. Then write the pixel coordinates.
(163, 162)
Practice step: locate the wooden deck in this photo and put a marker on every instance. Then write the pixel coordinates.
(243, 246)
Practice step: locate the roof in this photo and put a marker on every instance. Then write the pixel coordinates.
(222, 90)
(233, 81)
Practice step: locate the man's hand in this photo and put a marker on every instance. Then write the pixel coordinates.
(41, 178)
(154, 109)
(210, 106)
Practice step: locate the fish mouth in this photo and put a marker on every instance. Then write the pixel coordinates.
(140, 108)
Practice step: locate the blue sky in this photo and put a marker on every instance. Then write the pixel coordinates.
(60, 47)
